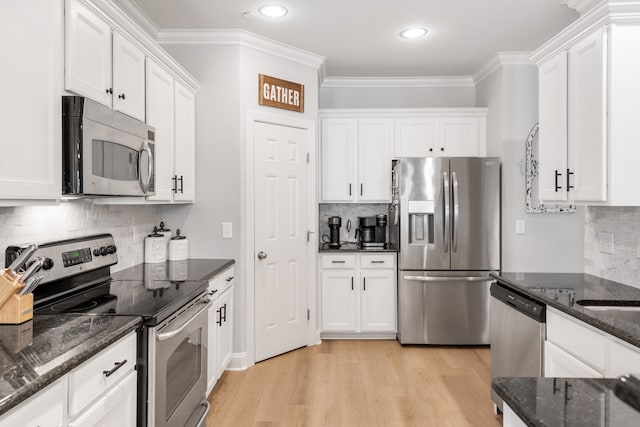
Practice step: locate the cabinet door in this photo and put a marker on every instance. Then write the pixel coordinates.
(185, 143)
(339, 172)
(225, 330)
(87, 53)
(128, 77)
(117, 408)
(458, 137)
(339, 300)
(414, 137)
(160, 110)
(374, 159)
(623, 359)
(552, 135)
(559, 363)
(378, 301)
(588, 118)
(45, 409)
(31, 112)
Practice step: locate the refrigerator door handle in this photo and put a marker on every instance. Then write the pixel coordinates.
(456, 213)
(447, 227)
(448, 279)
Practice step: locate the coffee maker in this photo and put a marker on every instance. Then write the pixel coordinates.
(335, 222)
(372, 231)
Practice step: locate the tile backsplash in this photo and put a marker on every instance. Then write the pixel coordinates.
(128, 224)
(624, 223)
(347, 211)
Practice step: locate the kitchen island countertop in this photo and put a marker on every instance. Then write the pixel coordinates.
(36, 353)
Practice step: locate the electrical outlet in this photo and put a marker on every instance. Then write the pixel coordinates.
(227, 230)
(605, 243)
(520, 226)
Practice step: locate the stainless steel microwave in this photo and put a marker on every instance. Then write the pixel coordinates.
(105, 152)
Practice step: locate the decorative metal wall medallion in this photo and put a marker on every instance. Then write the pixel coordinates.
(531, 174)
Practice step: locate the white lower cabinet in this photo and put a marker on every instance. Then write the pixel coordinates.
(576, 349)
(220, 337)
(358, 294)
(100, 392)
(510, 419)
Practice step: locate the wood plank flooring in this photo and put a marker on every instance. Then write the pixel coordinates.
(359, 383)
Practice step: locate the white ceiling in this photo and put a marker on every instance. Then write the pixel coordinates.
(360, 38)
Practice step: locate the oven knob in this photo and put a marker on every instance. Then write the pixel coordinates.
(104, 251)
(47, 264)
(111, 249)
(96, 252)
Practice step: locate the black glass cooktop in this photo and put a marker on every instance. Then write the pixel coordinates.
(153, 300)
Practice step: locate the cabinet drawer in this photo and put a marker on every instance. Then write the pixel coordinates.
(623, 359)
(90, 380)
(222, 281)
(338, 261)
(377, 261)
(45, 409)
(577, 338)
(559, 363)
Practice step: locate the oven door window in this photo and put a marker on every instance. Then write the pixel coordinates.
(114, 161)
(184, 369)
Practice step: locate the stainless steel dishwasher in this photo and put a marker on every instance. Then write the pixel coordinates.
(517, 335)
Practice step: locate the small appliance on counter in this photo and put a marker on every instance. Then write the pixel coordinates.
(335, 222)
(372, 231)
(155, 247)
(178, 247)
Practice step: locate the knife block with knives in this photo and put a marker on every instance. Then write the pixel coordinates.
(16, 299)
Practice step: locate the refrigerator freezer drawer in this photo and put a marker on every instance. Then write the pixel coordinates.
(446, 308)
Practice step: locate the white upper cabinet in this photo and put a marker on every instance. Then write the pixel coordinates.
(160, 108)
(108, 69)
(31, 112)
(128, 77)
(458, 137)
(339, 169)
(589, 96)
(415, 137)
(185, 143)
(374, 159)
(87, 53)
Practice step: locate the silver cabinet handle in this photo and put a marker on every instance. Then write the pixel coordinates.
(456, 213)
(338, 262)
(262, 255)
(377, 262)
(448, 279)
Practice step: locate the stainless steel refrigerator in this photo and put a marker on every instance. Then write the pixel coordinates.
(446, 223)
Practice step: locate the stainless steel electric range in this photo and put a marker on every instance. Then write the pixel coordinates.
(172, 346)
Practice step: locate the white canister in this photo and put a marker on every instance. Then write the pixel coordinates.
(155, 248)
(178, 247)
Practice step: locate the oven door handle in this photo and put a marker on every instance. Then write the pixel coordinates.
(173, 333)
(203, 418)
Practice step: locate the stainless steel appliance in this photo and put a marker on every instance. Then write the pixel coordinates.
(172, 344)
(447, 225)
(335, 222)
(372, 231)
(105, 152)
(517, 335)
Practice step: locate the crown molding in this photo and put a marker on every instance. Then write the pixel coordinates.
(581, 6)
(140, 17)
(395, 82)
(239, 37)
(499, 60)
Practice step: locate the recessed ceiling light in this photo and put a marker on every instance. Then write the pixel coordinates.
(273, 10)
(413, 33)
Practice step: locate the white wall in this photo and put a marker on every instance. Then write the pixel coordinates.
(128, 224)
(553, 242)
(397, 97)
(229, 87)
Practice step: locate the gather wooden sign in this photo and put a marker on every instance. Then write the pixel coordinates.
(279, 93)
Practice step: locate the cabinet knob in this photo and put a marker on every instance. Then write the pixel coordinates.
(121, 96)
(441, 148)
(430, 149)
(109, 91)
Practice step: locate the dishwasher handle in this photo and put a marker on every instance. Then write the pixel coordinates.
(519, 302)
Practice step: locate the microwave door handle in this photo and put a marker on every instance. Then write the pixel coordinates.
(445, 232)
(144, 183)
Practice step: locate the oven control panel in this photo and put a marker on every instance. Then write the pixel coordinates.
(70, 257)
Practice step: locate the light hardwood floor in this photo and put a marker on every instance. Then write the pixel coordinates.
(359, 383)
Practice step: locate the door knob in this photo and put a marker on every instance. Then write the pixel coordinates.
(262, 255)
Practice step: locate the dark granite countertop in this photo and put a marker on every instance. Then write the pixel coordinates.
(563, 291)
(192, 270)
(551, 402)
(353, 247)
(38, 352)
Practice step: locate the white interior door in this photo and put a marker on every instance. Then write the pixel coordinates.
(280, 239)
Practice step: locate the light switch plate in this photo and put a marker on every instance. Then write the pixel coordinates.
(605, 243)
(520, 226)
(227, 230)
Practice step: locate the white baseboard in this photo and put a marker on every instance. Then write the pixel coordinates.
(239, 362)
(315, 340)
(358, 335)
